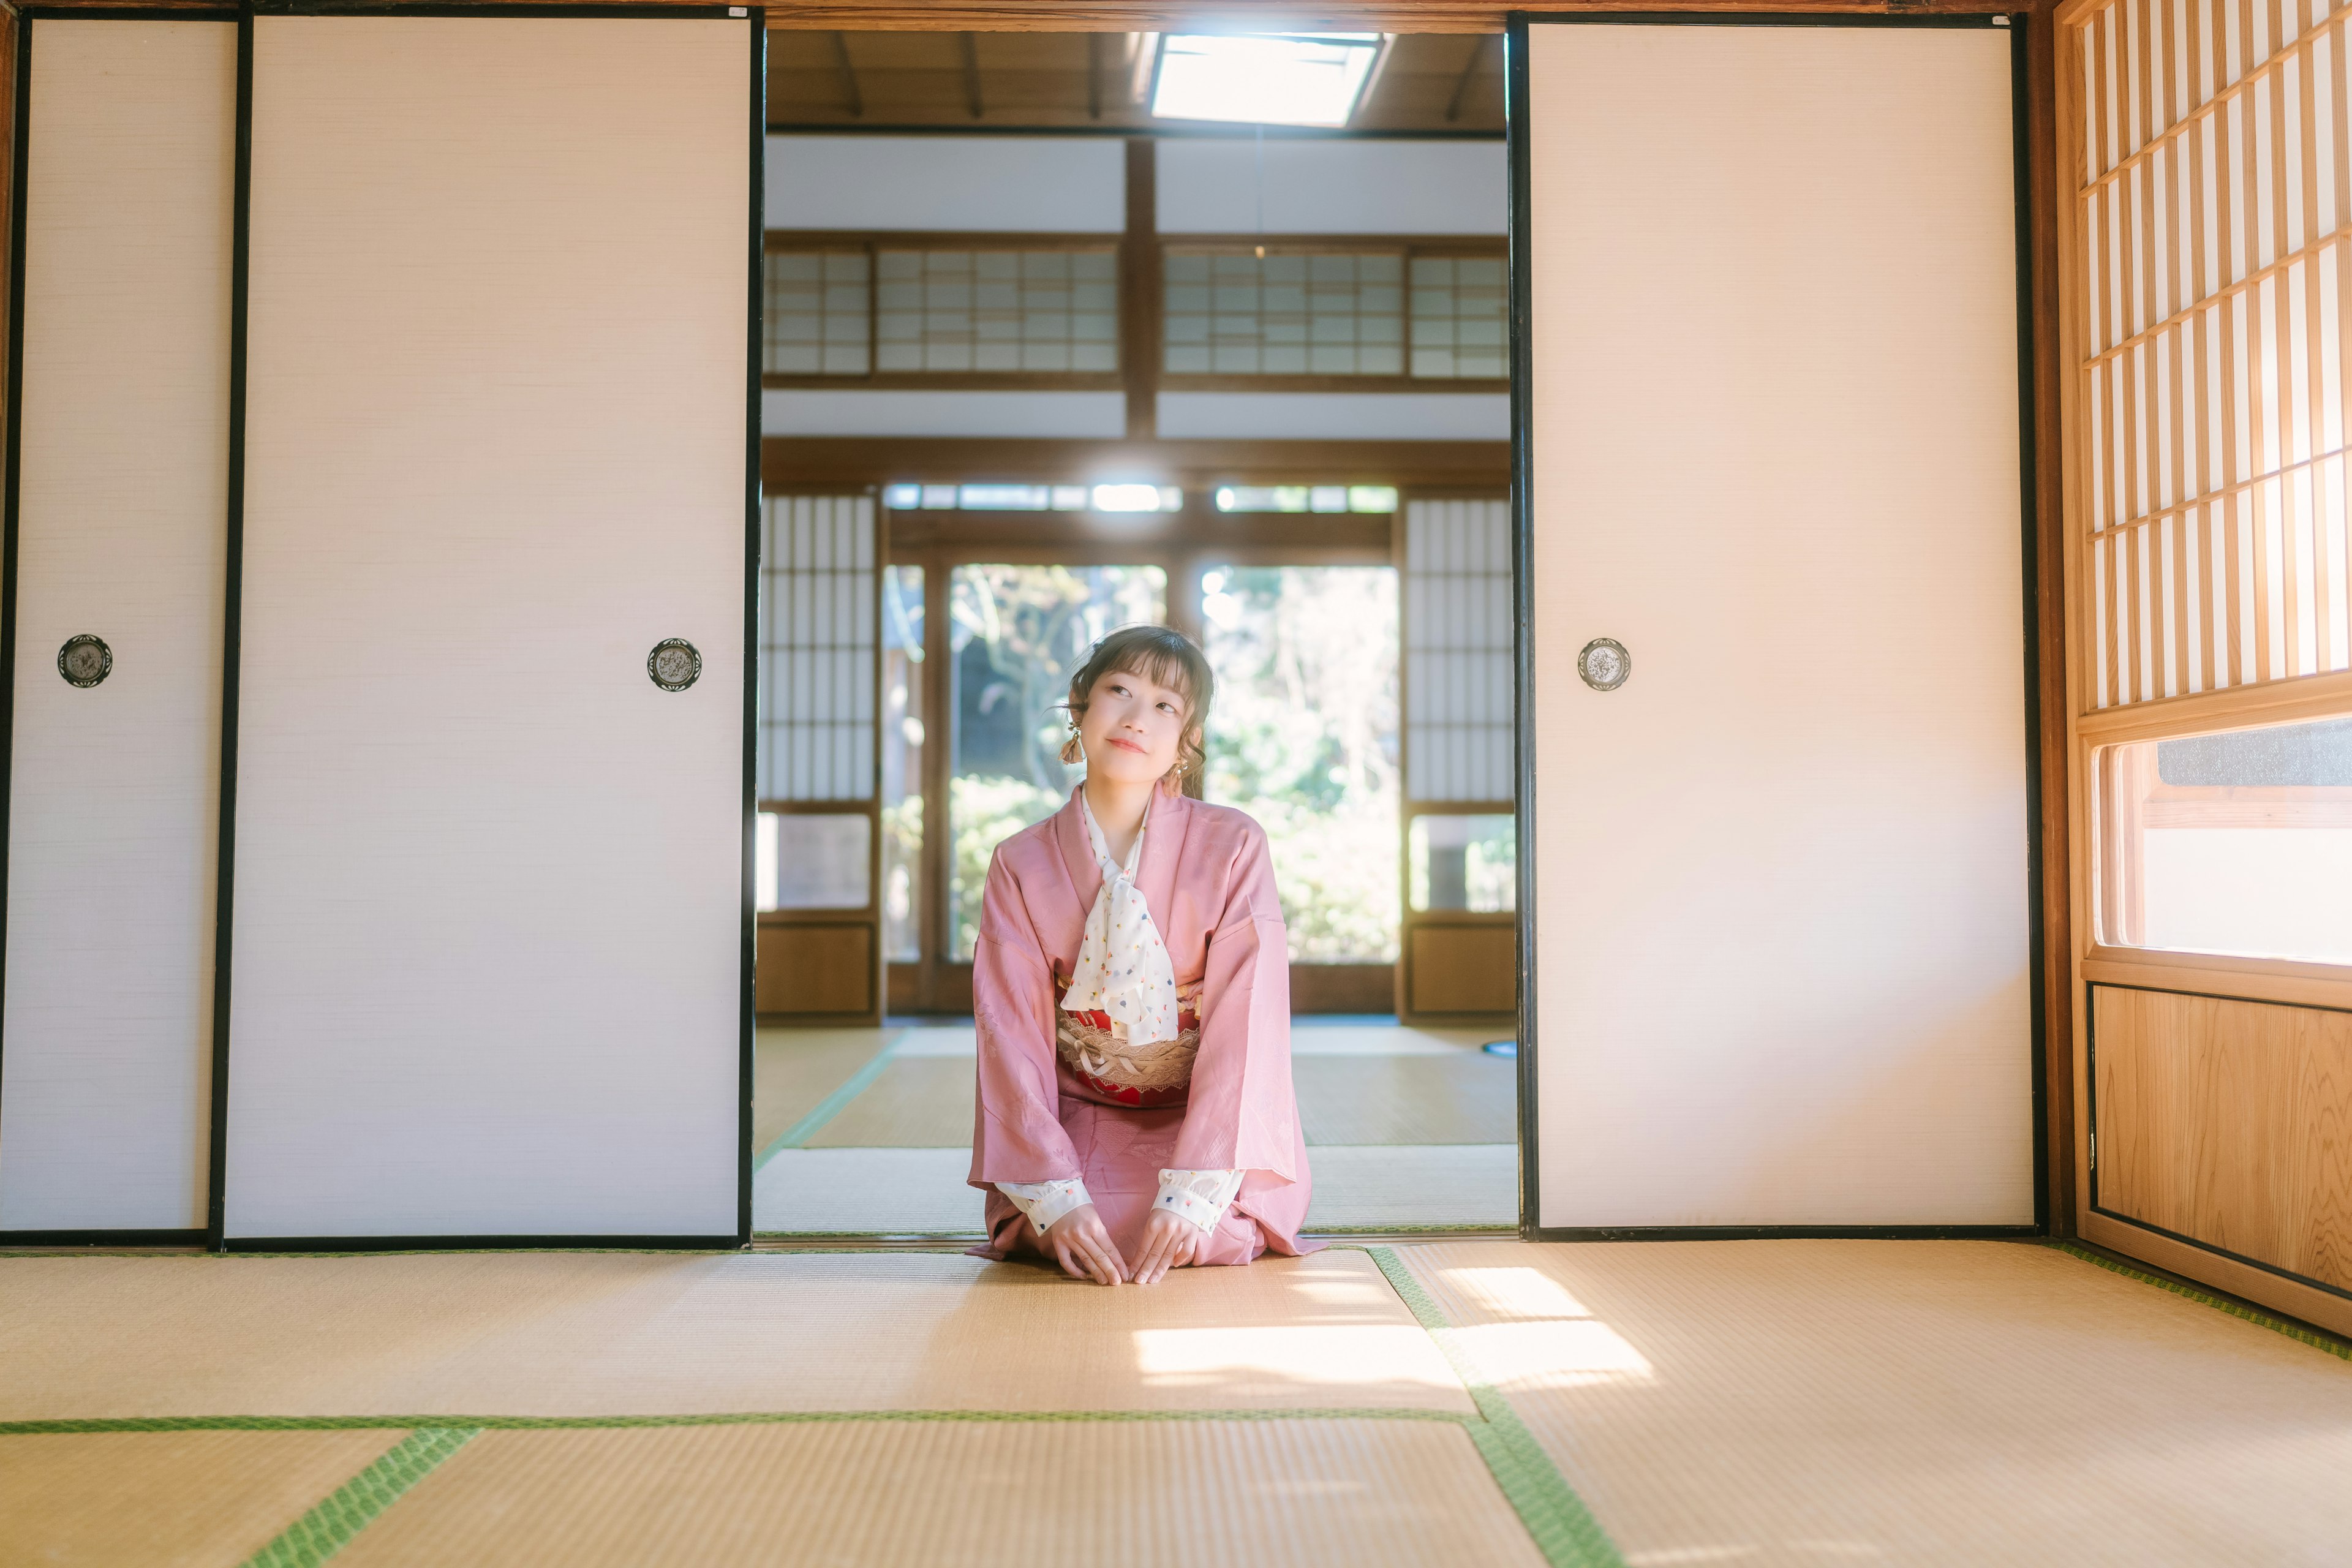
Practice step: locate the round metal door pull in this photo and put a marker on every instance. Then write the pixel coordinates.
(675, 664)
(1604, 664)
(85, 661)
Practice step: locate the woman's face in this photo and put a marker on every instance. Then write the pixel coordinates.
(1131, 727)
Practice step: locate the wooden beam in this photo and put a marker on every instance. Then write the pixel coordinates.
(1316, 15)
(1140, 290)
(1094, 76)
(2052, 698)
(807, 461)
(1166, 15)
(849, 76)
(971, 75)
(1463, 84)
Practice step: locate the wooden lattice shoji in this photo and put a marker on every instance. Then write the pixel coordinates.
(2210, 296)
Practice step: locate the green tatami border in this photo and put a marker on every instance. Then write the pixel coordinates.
(330, 1526)
(833, 1104)
(1564, 1528)
(2239, 1310)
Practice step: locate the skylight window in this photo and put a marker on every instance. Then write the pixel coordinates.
(1288, 79)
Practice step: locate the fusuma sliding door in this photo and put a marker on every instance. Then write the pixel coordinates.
(490, 957)
(1774, 626)
(118, 522)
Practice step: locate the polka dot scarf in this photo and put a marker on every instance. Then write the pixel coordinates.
(1123, 969)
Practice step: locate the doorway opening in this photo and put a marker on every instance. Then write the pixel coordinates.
(1023, 390)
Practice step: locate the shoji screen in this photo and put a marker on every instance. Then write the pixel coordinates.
(119, 518)
(2207, 332)
(817, 643)
(820, 839)
(2214, 192)
(1782, 946)
(1460, 938)
(489, 875)
(1457, 650)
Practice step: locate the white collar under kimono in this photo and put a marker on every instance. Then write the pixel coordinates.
(1123, 970)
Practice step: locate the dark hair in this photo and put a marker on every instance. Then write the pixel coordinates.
(1163, 656)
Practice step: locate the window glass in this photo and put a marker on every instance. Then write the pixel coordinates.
(902, 762)
(1463, 863)
(1017, 635)
(1303, 736)
(816, 315)
(805, 861)
(1307, 498)
(2232, 843)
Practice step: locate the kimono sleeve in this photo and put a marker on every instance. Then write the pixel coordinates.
(1242, 1113)
(1016, 1133)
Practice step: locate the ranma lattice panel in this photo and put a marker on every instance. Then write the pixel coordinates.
(2211, 281)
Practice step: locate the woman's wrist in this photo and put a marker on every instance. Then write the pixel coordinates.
(1200, 1196)
(1044, 1202)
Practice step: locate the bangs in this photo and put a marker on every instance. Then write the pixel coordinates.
(1161, 654)
(1161, 666)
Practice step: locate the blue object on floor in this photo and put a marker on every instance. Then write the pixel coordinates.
(1501, 1047)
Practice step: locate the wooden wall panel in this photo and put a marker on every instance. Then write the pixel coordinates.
(808, 971)
(2228, 1123)
(1462, 969)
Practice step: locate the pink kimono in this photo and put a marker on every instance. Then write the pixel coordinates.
(1209, 883)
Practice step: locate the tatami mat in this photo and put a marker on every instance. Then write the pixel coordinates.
(918, 1102)
(1465, 1098)
(866, 1191)
(1368, 1188)
(795, 1069)
(1314, 1037)
(1349, 1494)
(193, 1498)
(622, 1333)
(922, 1191)
(1963, 1403)
(1388, 1085)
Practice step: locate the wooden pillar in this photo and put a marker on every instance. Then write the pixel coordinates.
(1138, 291)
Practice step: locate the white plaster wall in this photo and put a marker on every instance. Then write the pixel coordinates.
(1336, 416)
(1003, 184)
(1218, 185)
(1068, 414)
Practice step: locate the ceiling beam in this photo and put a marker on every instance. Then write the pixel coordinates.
(1463, 84)
(971, 74)
(1308, 16)
(849, 76)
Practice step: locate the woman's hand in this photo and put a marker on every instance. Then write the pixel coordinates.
(1081, 1244)
(1170, 1241)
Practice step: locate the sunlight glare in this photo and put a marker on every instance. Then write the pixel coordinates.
(1366, 1356)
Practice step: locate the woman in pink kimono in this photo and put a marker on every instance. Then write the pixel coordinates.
(1131, 987)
